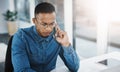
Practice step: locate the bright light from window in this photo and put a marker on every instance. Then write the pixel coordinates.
(102, 25)
(115, 10)
(68, 18)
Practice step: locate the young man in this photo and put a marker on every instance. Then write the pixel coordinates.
(36, 49)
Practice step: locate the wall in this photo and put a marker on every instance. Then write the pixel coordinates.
(3, 7)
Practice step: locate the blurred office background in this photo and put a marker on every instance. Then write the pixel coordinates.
(92, 25)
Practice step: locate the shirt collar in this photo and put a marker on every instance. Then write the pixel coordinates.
(40, 38)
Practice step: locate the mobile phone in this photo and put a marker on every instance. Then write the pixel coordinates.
(54, 31)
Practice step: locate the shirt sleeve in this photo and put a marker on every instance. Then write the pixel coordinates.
(19, 55)
(70, 58)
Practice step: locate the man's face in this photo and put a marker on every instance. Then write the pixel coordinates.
(45, 22)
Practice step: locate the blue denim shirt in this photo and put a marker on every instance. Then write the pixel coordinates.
(33, 53)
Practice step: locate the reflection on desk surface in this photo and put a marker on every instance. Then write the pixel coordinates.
(110, 62)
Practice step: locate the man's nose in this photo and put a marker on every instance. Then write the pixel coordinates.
(48, 28)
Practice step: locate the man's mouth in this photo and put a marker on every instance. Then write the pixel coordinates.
(47, 33)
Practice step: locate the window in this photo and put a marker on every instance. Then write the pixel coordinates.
(85, 23)
(23, 9)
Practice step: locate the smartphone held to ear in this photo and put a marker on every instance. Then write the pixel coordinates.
(54, 31)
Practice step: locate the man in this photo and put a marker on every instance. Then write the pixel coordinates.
(36, 49)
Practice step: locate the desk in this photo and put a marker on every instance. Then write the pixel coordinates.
(61, 69)
(92, 65)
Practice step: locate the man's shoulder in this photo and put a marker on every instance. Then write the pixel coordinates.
(24, 31)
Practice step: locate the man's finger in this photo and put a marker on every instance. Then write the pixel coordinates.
(57, 27)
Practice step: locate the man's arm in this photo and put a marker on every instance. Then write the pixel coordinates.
(67, 52)
(70, 58)
(19, 56)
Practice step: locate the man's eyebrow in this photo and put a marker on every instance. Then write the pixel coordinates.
(47, 23)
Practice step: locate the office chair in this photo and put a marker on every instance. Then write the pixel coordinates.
(8, 60)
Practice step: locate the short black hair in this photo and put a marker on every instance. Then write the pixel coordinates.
(44, 7)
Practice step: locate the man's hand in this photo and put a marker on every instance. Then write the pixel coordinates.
(61, 37)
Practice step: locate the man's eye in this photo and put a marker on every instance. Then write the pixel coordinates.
(44, 24)
(51, 24)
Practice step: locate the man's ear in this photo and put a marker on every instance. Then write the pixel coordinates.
(34, 20)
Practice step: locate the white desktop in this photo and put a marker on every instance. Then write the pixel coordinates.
(99, 63)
